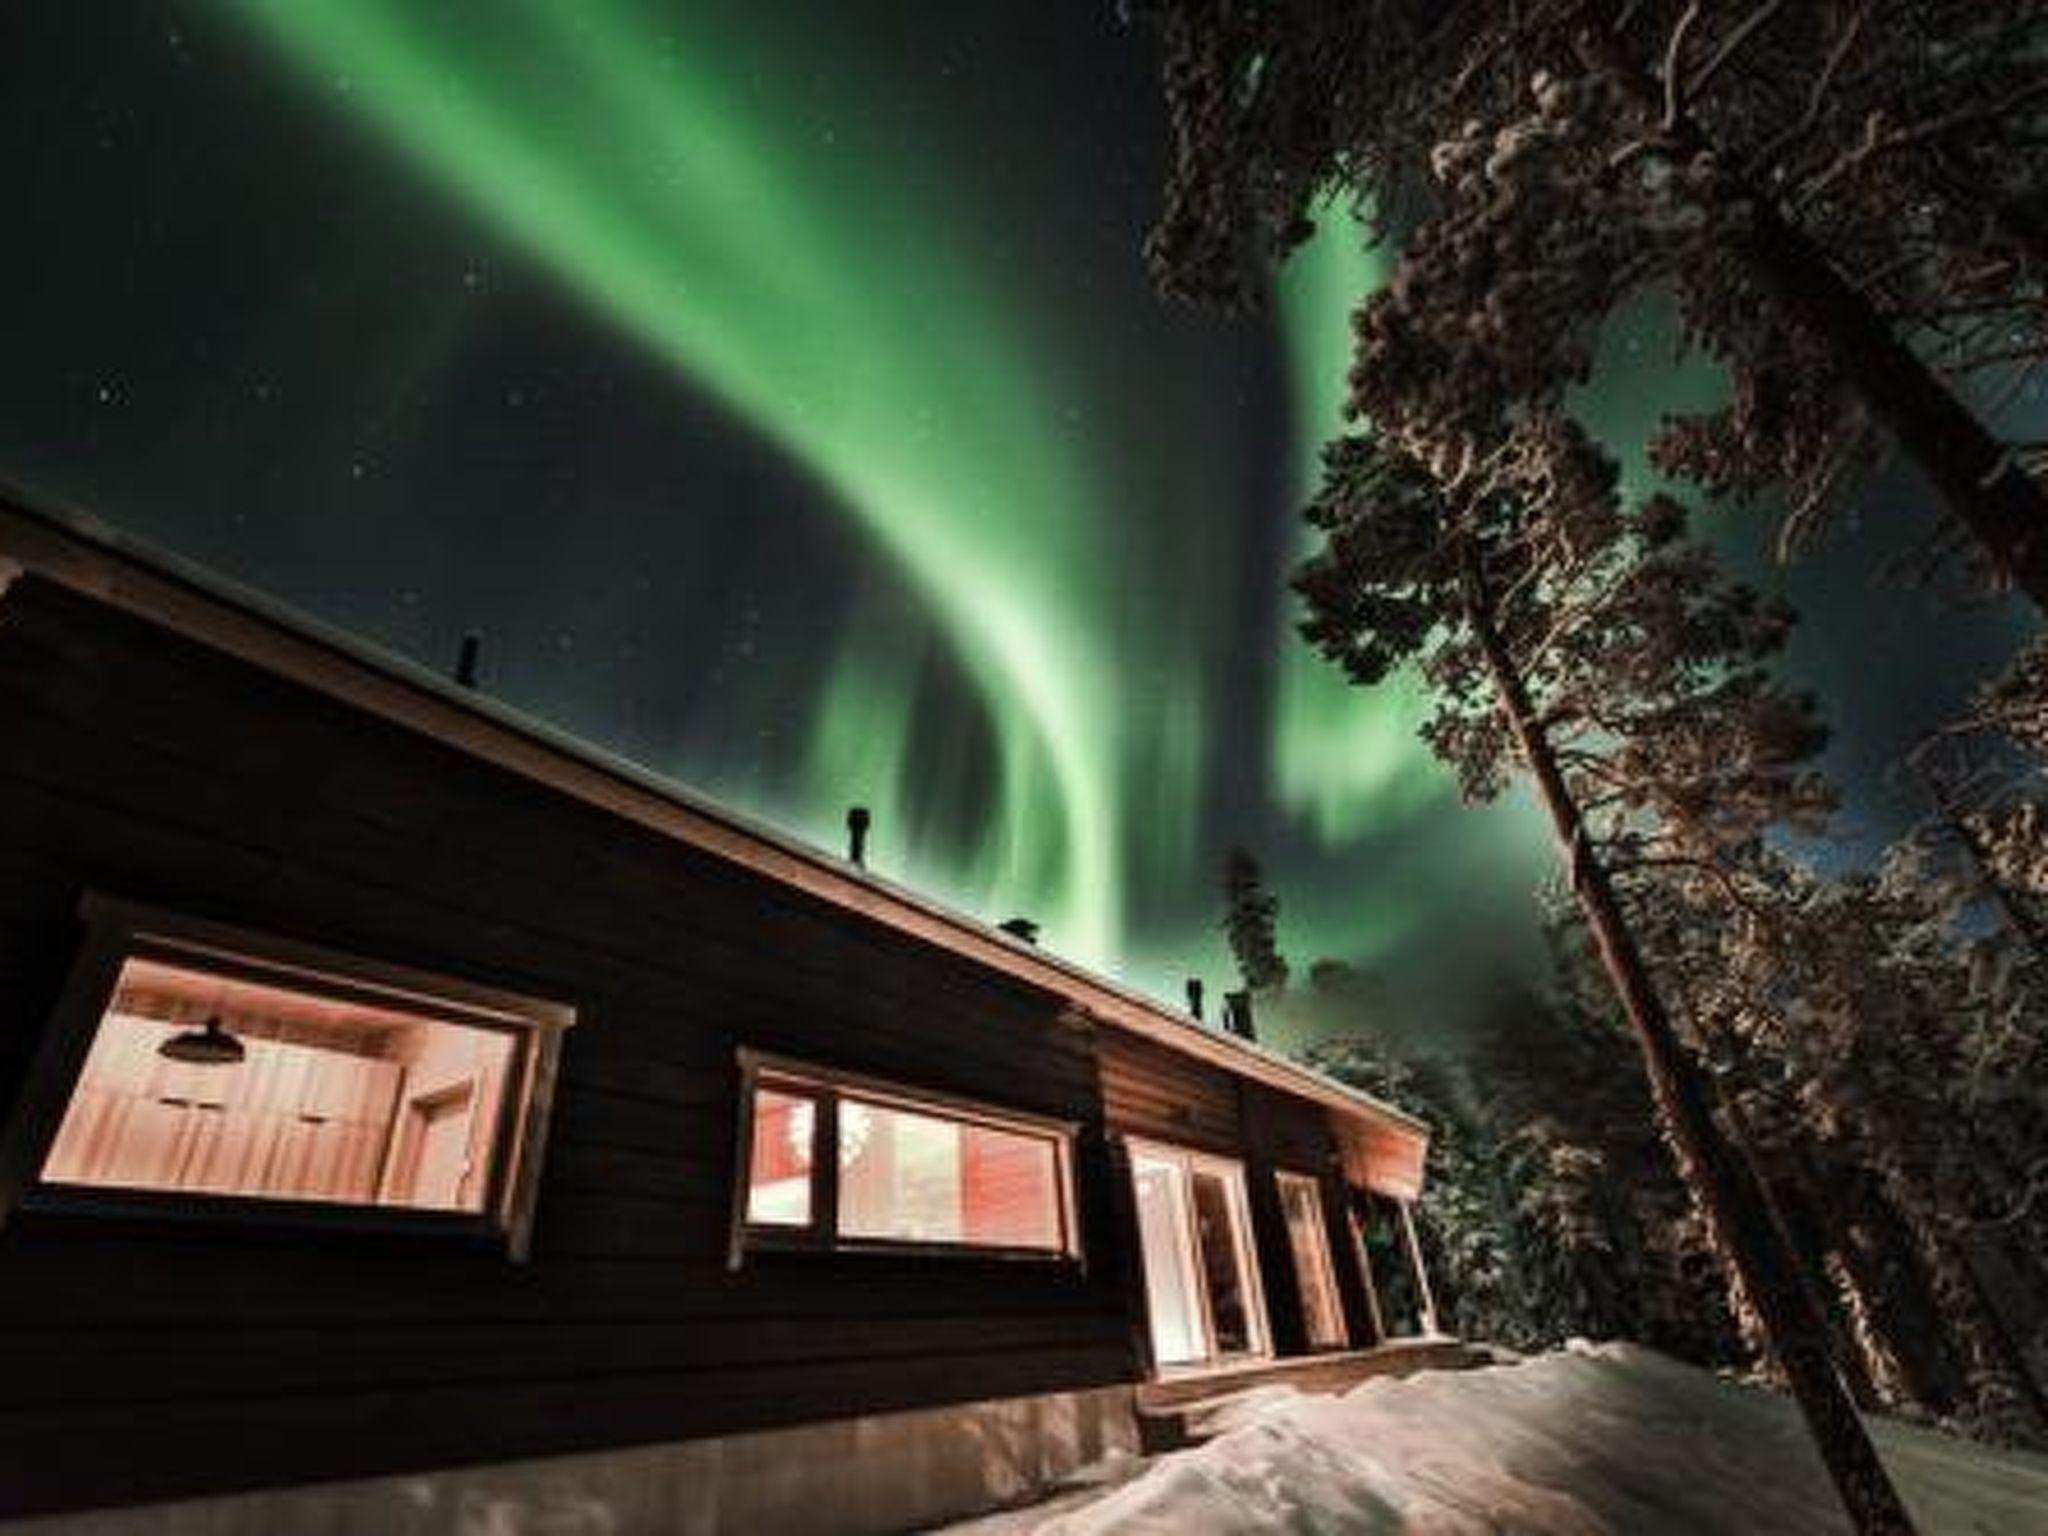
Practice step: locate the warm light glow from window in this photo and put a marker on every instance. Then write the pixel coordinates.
(922, 1178)
(1202, 1293)
(907, 1173)
(329, 1098)
(779, 1183)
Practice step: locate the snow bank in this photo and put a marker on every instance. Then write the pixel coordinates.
(1597, 1440)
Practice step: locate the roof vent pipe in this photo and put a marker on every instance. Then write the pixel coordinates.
(1195, 996)
(465, 664)
(857, 835)
(1237, 1015)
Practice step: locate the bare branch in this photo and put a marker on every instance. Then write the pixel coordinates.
(1821, 86)
(1734, 41)
(1673, 106)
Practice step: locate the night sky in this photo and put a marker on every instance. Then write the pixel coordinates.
(779, 391)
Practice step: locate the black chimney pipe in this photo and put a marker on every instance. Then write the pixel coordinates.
(465, 664)
(1195, 996)
(857, 835)
(1237, 1015)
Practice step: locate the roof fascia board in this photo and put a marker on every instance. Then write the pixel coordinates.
(87, 556)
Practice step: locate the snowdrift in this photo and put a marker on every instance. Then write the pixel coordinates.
(1596, 1440)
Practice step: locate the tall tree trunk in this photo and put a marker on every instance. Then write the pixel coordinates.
(1785, 1179)
(2002, 1392)
(1885, 1262)
(1938, 1195)
(1817, 1250)
(1720, 1179)
(2003, 508)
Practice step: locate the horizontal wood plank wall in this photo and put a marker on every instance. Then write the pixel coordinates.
(1149, 1091)
(145, 1360)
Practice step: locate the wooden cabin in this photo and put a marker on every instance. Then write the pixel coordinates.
(411, 1111)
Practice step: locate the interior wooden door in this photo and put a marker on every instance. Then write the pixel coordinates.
(435, 1161)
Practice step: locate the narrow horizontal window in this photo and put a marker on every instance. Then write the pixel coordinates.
(244, 1075)
(919, 1177)
(904, 1171)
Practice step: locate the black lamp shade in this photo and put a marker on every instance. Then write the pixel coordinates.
(210, 1046)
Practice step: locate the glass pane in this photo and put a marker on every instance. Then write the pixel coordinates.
(1218, 1237)
(208, 1083)
(919, 1176)
(779, 1172)
(1171, 1293)
(1322, 1313)
(1400, 1301)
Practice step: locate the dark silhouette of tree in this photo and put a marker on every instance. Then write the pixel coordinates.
(1250, 917)
(1591, 647)
(1843, 199)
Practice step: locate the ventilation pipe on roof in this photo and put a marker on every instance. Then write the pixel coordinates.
(1237, 1015)
(857, 835)
(465, 664)
(1020, 928)
(1195, 996)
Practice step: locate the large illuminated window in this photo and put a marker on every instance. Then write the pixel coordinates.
(905, 1169)
(201, 1069)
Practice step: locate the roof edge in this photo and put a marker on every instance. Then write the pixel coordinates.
(87, 555)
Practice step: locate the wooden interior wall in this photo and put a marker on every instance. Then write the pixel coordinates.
(156, 1359)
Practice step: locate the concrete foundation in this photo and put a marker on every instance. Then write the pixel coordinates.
(850, 1477)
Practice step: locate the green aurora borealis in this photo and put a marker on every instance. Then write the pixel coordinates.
(784, 400)
(789, 408)
(671, 201)
(656, 193)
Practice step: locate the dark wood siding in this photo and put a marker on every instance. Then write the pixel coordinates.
(155, 1359)
(1149, 1091)
(1283, 1133)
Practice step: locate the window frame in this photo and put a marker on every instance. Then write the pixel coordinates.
(825, 1086)
(1244, 1241)
(118, 930)
(1312, 1185)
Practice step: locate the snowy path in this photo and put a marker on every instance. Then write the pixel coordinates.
(1606, 1440)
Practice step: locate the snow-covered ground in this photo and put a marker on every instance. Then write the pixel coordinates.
(1592, 1440)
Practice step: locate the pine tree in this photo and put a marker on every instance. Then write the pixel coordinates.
(1986, 779)
(1250, 921)
(1845, 1013)
(1593, 649)
(1843, 201)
